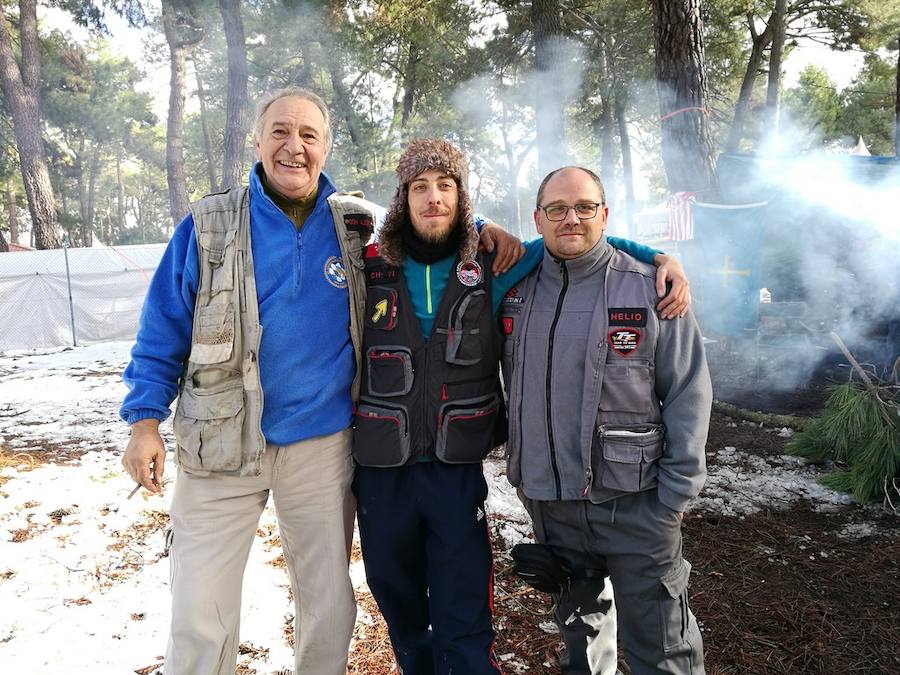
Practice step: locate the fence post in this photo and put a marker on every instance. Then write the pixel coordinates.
(69, 285)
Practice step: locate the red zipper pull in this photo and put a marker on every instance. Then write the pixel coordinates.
(444, 396)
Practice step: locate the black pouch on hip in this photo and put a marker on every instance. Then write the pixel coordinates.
(539, 568)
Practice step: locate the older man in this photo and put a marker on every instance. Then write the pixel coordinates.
(608, 417)
(429, 412)
(246, 320)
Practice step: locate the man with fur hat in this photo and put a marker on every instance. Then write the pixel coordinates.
(430, 409)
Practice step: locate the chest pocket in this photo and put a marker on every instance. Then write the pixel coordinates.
(463, 332)
(627, 387)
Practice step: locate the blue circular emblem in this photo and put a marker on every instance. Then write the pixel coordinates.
(335, 273)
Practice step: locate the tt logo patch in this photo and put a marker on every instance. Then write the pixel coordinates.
(624, 341)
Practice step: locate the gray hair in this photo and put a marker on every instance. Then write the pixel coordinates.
(550, 175)
(292, 92)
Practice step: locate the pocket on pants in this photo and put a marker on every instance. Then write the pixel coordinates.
(674, 615)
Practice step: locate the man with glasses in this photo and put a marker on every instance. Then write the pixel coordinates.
(428, 414)
(608, 417)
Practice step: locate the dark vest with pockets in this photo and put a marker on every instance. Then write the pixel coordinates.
(433, 399)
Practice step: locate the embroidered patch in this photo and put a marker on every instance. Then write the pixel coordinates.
(382, 308)
(512, 297)
(624, 341)
(506, 325)
(361, 222)
(335, 272)
(469, 273)
(628, 316)
(382, 275)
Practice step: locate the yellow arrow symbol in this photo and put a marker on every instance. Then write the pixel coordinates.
(380, 310)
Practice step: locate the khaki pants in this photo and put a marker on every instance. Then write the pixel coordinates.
(214, 521)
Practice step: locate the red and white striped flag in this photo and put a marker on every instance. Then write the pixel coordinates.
(681, 218)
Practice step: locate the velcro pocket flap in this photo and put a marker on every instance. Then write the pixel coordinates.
(223, 401)
(676, 580)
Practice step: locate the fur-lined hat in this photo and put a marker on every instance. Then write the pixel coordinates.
(424, 154)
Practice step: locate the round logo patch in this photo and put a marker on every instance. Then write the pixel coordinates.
(469, 273)
(335, 273)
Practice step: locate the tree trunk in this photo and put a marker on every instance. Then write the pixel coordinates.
(409, 85)
(81, 183)
(120, 190)
(627, 166)
(4, 247)
(204, 125)
(742, 108)
(776, 53)
(179, 47)
(236, 106)
(897, 106)
(687, 151)
(87, 227)
(21, 89)
(549, 100)
(12, 211)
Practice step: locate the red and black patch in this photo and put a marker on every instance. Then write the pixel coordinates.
(383, 275)
(512, 297)
(628, 316)
(506, 325)
(624, 340)
(361, 223)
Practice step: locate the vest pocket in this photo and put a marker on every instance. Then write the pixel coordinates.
(627, 387)
(208, 426)
(630, 456)
(463, 333)
(380, 435)
(389, 370)
(466, 429)
(214, 340)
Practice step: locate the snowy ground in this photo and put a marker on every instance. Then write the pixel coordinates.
(83, 577)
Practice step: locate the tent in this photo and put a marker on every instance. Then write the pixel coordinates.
(108, 285)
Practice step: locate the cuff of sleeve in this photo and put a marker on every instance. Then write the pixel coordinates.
(673, 500)
(132, 416)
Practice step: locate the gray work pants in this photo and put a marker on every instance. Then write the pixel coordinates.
(638, 539)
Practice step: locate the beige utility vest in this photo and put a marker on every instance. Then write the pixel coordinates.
(218, 418)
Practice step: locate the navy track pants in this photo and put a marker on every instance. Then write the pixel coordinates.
(428, 562)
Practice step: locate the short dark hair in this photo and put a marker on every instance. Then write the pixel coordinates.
(594, 177)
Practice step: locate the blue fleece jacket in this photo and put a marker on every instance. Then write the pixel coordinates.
(426, 283)
(306, 357)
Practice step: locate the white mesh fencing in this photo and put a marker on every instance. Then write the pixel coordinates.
(108, 287)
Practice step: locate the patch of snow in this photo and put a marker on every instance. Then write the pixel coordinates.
(741, 483)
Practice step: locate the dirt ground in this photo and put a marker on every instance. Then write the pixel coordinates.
(778, 592)
(775, 592)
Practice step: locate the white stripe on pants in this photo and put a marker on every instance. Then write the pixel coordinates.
(214, 520)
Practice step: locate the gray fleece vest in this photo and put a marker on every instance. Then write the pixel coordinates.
(218, 418)
(600, 422)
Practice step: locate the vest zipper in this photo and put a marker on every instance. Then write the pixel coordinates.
(559, 303)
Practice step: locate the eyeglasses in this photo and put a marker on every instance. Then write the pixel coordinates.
(584, 211)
